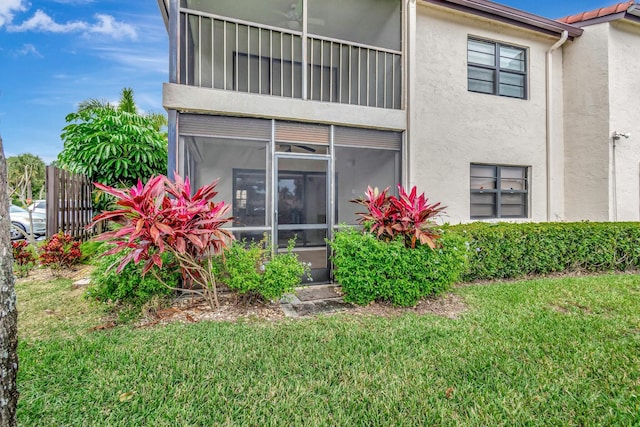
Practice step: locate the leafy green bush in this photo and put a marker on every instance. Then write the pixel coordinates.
(128, 286)
(372, 270)
(505, 250)
(251, 269)
(90, 249)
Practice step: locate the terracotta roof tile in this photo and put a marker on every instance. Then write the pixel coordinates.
(598, 13)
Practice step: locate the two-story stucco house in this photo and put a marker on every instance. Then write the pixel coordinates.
(298, 105)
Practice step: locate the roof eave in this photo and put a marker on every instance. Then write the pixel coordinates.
(631, 15)
(164, 11)
(510, 15)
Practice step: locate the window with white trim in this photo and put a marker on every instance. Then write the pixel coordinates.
(499, 191)
(496, 68)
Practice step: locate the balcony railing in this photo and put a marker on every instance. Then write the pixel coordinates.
(224, 53)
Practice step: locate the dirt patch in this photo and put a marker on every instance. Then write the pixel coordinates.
(43, 274)
(190, 310)
(571, 306)
(450, 306)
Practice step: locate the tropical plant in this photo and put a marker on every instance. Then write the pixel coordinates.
(23, 257)
(25, 177)
(162, 216)
(409, 215)
(114, 145)
(127, 104)
(60, 251)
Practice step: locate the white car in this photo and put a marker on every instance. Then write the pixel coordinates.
(38, 206)
(20, 223)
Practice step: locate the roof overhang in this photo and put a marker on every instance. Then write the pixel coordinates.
(509, 15)
(164, 11)
(625, 10)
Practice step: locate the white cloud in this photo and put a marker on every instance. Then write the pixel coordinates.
(40, 21)
(153, 60)
(29, 49)
(8, 8)
(104, 25)
(107, 25)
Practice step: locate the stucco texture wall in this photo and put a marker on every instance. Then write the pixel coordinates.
(452, 127)
(624, 106)
(587, 137)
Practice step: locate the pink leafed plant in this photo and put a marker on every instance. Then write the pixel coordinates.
(162, 216)
(410, 215)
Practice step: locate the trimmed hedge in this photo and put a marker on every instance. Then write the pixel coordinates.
(372, 270)
(504, 250)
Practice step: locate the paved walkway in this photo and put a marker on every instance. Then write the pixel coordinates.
(312, 300)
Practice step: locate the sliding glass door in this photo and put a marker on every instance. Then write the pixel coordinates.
(302, 200)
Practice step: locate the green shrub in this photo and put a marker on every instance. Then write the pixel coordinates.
(504, 250)
(90, 249)
(129, 286)
(372, 270)
(251, 269)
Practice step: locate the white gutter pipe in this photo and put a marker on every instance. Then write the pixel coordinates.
(549, 119)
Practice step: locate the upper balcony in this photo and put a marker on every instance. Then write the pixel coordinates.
(321, 50)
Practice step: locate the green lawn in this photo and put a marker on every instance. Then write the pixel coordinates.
(539, 352)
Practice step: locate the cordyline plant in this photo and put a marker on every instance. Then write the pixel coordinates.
(409, 215)
(59, 252)
(162, 216)
(23, 257)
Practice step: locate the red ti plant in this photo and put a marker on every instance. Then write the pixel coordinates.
(60, 251)
(162, 216)
(409, 215)
(23, 256)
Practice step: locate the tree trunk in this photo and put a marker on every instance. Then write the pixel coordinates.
(8, 310)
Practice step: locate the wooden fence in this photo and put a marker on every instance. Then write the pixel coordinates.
(69, 207)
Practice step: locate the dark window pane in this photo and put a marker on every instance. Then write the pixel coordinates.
(481, 58)
(512, 79)
(512, 196)
(483, 170)
(482, 47)
(511, 172)
(512, 91)
(481, 74)
(357, 168)
(483, 183)
(481, 86)
(483, 198)
(512, 184)
(512, 58)
(513, 211)
(483, 211)
(512, 199)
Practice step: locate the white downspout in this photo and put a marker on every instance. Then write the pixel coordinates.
(549, 121)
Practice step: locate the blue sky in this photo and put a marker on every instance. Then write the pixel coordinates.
(57, 53)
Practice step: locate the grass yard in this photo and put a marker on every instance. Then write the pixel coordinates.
(539, 352)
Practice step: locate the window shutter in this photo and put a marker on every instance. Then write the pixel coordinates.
(369, 138)
(224, 127)
(302, 132)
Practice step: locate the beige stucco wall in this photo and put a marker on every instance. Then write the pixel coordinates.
(601, 98)
(587, 137)
(450, 127)
(215, 101)
(624, 108)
